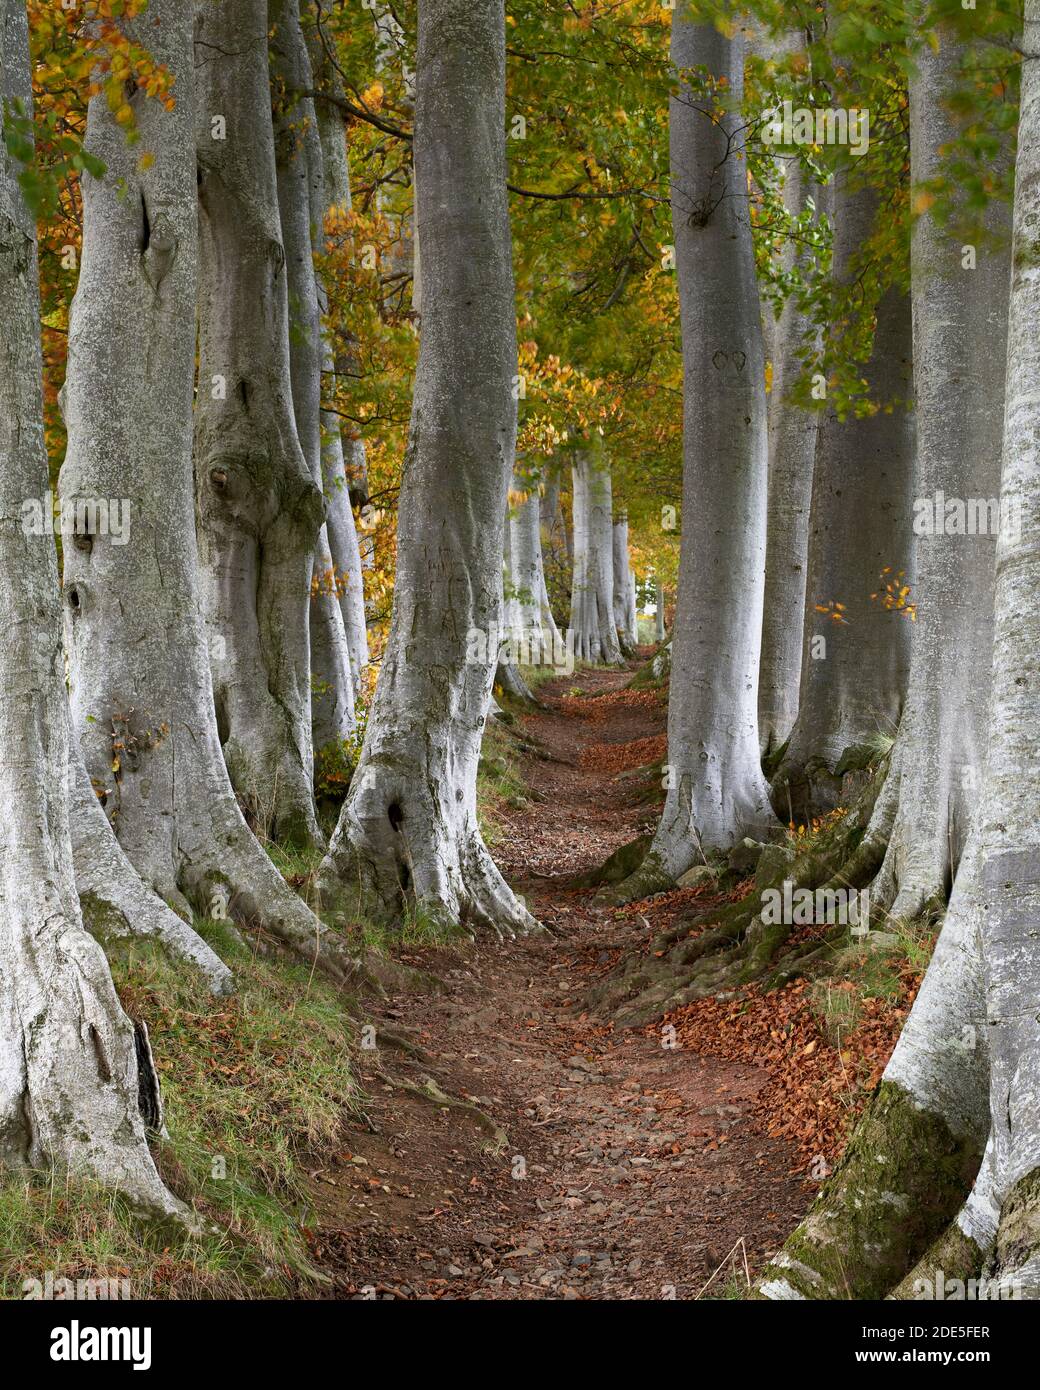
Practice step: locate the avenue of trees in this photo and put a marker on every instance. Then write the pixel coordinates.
(361, 358)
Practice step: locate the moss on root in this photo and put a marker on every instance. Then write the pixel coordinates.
(622, 863)
(953, 1256)
(1018, 1237)
(903, 1178)
(738, 945)
(647, 878)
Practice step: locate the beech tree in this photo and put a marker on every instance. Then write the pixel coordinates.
(141, 694)
(408, 830)
(259, 506)
(301, 206)
(856, 645)
(792, 453)
(888, 1218)
(852, 577)
(592, 583)
(342, 460)
(959, 290)
(624, 588)
(537, 626)
(69, 1070)
(716, 788)
(556, 535)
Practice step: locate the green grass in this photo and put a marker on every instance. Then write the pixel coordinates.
(500, 785)
(251, 1084)
(839, 1010)
(535, 677)
(255, 1087)
(418, 927)
(296, 866)
(874, 971)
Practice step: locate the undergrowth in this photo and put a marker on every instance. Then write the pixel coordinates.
(500, 785)
(255, 1086)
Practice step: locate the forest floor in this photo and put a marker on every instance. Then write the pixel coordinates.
(662, 1162)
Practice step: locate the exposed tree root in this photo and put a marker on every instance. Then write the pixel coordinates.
(428, 1090)
(114, 900)
(1016, 1263)
(900, 1182)
(512, 684)
(656, 671)
(647, 878)
(620, 865)
(383, 975)
(954, 1255)
(738, 944)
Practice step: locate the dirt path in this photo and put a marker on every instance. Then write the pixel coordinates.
(631, 1169)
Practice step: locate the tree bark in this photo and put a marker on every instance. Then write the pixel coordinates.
(344, 464)
(592, 595)
(718, 792)
(259, 507)
(1010, 812)
(141, 692)
(408, 830)
(624, 588)
(113, 899)
(792, 451)
(301, 206)
(528, 576)
(959, 410)
(863, 480)
(69, 1074)
(899, 1208)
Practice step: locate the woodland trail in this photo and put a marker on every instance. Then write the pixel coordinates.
(631, 1170)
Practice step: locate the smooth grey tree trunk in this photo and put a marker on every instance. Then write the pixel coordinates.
(259, 508)
(624, 588)
(515, 633)
(343, 461)
(854, 680)
(659, 628)
(113, 899)
(592, 594)
(554, 528)
(717, 792)
(408, 830)
(512, 601)
(69, 1074)
(1010, 815)
(959, 407)
(141, 692)
(898, 1208)
(792, 451)
(301, 205)
(537, 623)
(556, 540)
